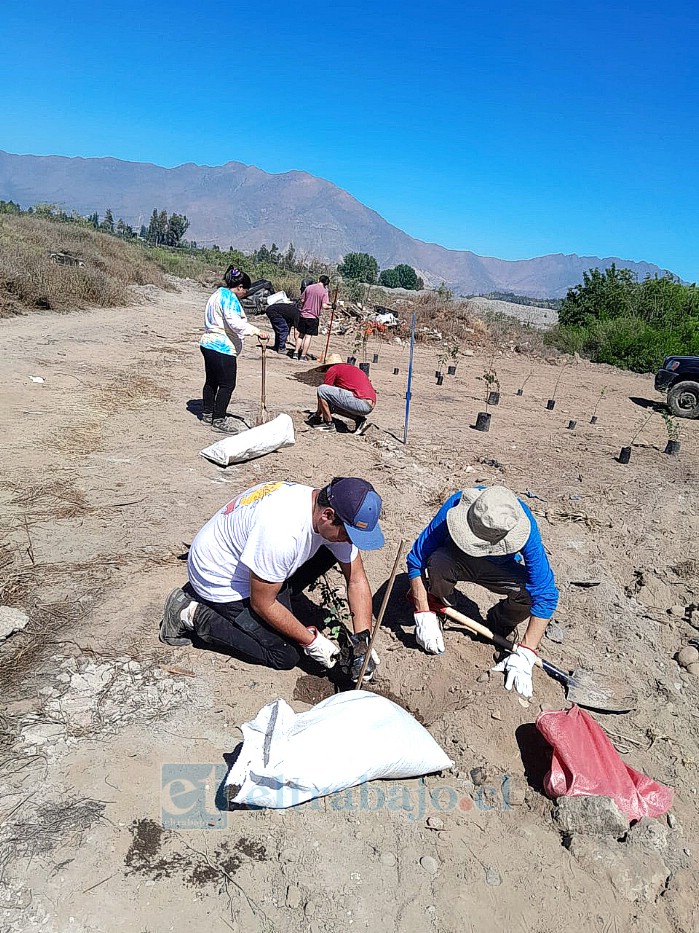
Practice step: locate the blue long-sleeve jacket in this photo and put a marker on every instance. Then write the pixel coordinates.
(540, 584)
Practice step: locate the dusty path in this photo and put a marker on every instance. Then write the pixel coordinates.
(102, 488)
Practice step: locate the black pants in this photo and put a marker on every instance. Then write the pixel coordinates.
(234, 628)
(221, 371)
(281, 317)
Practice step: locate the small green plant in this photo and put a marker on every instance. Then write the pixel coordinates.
(671, 426)
(334, 604)
(492, 383)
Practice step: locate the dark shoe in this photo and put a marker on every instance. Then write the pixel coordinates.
(328, 426)
(314, 420)
(173, 631)
(361, 425)
(291, 354)
(207, 417)
(226, 425)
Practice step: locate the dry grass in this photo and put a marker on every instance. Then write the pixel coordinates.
(79, 438)
(129, 391)
(30, 280)
(54, 500)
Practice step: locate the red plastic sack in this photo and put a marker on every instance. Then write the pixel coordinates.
(586, 763)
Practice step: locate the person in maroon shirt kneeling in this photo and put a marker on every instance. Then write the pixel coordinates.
(347, 391)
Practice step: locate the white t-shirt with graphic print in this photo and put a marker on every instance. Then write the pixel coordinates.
(267, 529)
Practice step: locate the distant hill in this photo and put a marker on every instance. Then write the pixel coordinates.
(240, 205)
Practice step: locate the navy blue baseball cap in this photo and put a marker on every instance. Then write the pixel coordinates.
(358, 505)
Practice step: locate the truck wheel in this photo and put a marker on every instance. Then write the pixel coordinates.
(683, 399)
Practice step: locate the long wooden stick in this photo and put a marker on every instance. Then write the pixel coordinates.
(330, 325)
(379, 618)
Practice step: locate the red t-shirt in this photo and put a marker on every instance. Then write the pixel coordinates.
(345, 376)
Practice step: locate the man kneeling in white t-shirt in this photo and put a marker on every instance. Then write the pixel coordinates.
(265, 546)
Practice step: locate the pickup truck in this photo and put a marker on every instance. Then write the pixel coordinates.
(679, 377)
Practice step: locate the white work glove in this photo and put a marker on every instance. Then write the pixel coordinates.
(518, 668)
(428, 632)
(321, 649)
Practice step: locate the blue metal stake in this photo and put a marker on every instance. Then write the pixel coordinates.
(410, 379)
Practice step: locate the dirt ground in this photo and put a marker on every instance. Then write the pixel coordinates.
(102, 490)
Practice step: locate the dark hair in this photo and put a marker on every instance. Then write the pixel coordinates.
(234, 277)
(306, 282)
(323, 501)
(324, 279)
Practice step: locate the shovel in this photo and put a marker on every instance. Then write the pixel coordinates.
(262, 413)
(581, 686)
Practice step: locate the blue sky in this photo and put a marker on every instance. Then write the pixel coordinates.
(532, 128)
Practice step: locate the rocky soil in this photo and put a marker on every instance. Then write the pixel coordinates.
(102, 727)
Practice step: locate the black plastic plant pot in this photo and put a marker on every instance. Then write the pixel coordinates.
(571, 425)
(551, 404)
(451, 370)
(520, 391)
(351, 360)
(395, 370)
(437, 373)
(364, 368)
(483, 421)
(440, 379)
(593, 419)
(375, 358)
(493, 398)
(672, 448)
(624, 455)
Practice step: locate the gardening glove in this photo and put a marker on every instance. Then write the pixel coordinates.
(428, 632)
(321, 649)
(518, 668)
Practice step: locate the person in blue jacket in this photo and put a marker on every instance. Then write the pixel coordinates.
(486, 536)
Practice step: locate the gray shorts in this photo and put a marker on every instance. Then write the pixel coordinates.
(344, 402)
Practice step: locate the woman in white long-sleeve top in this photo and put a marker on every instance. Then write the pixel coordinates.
(225, 328)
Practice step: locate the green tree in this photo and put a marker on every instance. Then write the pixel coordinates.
(389, 278)
(613, 318)
(359, 266)
(408, 276)
(94, 220)
(107, 224)
(175, 230)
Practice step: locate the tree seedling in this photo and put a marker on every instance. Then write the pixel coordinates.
(625, 452)
(453, 355)
(520, 391)
(673, 434)
(593, 418)
(333, 603)
(550, 405)
(492, 383)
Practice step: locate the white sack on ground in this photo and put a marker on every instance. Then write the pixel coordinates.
(253, 443)
(346, 740)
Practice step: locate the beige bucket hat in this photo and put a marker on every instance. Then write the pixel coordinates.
(488, 522)
(332, 360)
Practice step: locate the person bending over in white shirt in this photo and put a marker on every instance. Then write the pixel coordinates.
(265, 546)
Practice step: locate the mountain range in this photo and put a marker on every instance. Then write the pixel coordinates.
(243, 206)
